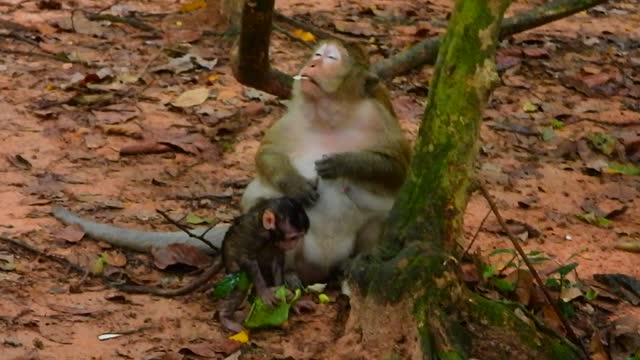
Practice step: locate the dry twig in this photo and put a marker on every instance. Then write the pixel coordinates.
(188, 231)
(572, 335)
(197, 283)
(475, 236)
(60, 260)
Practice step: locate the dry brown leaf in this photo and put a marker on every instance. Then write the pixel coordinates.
(19, 161)
(84, 26)
(180, 254)
(596, 347)
(117, 297)
(628, 243)
(94, 141)
(74, 310)
(550, 317)
(523, 281)
(115, 258)
(71, 233)
(131, 130)
(191, 97)
(145, 148)
(361, 28)
(536, 53)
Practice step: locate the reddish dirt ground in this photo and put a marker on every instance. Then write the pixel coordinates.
(584, 71)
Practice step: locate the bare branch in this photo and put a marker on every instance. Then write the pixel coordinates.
(188, 231)
(525, 259)
(198, 282)
(426, 51)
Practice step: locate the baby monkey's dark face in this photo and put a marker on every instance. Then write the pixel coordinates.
(290, 236)
(287, 223)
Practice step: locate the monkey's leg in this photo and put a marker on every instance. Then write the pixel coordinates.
(306, 271)
(368, 235)
(227, 308)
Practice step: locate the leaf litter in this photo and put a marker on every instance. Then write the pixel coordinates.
(119, 93)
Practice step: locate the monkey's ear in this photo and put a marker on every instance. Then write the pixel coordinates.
(268, 219)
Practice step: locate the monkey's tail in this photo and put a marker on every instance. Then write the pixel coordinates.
(141, 240)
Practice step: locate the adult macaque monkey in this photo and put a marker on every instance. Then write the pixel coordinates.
(338, 149)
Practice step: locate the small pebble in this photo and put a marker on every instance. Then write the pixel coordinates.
(568, 237)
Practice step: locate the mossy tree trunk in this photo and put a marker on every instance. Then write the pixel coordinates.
(412, 275)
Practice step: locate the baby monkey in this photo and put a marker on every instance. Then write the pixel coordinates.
(256, 243)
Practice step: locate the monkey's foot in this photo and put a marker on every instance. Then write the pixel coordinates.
(292, 281)
(303, 306)
(231, 325)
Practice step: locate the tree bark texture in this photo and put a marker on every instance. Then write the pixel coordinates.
(250, 60)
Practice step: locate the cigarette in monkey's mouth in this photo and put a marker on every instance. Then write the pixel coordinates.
(300, 77)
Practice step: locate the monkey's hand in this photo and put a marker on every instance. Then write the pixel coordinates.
(292, 280)
(332, 166)
(268, 296)
(299, 188)
(303, 306)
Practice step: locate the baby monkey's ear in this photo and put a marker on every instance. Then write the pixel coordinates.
(269, 219)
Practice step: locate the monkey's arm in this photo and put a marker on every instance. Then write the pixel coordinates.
(368, 166)
(253, 268)
(274, 166)
(140, 240)
(277, 266)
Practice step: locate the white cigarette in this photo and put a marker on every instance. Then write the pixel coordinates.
(300, 77)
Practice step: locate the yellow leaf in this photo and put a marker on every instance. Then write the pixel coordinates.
(324, 299)
(178, 23)
(194, 5)
(50, 86)
(241, 337)
(212, 78)
(303, 35)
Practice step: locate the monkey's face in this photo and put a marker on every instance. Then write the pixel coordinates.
(324, 72)
(287, 225)
(290, 236)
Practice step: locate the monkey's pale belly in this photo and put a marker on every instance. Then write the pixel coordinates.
(335, 221)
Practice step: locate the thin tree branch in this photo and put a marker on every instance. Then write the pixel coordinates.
(572, 335)
(188, 231)
(129, 20)
(198, 282)
(55, 258)
(128, 288)
(475, 236)
(426, 51)
(250, 61)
